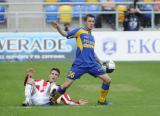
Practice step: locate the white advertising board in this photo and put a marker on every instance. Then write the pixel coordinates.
(128, 46)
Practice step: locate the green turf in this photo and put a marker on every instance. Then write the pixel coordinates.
(134, 90)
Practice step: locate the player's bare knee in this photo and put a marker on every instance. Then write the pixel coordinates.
(106, 79)
(109, 80)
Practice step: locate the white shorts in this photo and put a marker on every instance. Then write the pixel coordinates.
(40, 99)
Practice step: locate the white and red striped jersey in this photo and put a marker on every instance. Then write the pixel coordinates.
(43, 87)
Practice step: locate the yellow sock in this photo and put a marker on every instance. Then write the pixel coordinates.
(103, 94)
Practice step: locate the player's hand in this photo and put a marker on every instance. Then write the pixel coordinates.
(103, 63)
(82, 101)
(55, 24)
(30, 72)
(28, 78)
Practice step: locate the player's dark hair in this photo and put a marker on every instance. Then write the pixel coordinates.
(25, 81)
(56, 69)
(135, 3)
(88, 15)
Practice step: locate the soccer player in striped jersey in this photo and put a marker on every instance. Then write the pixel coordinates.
(37, 92)
(85, 61)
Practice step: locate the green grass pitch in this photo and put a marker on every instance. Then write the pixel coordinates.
(134, 91)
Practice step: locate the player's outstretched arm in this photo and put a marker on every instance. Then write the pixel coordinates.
(59, 29)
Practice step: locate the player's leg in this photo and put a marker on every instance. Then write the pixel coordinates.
(98, 71)
(104, 89)
(61, 90)
(73, 74)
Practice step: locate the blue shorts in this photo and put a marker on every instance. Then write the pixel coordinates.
(77, 71)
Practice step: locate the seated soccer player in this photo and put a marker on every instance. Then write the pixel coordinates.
(37, 92)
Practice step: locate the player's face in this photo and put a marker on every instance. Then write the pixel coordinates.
(90, 22)
(132, 10)
(53, 76)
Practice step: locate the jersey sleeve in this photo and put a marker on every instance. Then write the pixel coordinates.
(72, 32)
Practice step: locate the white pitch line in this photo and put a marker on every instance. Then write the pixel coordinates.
(64, 106)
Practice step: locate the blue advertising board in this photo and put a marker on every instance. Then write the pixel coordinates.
(35, 46)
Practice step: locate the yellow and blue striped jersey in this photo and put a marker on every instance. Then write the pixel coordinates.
(85, 46)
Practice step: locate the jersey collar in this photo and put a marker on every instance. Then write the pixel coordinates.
(87, 29)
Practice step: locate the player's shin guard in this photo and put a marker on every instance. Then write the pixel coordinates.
(103, 93)
(56, 94)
